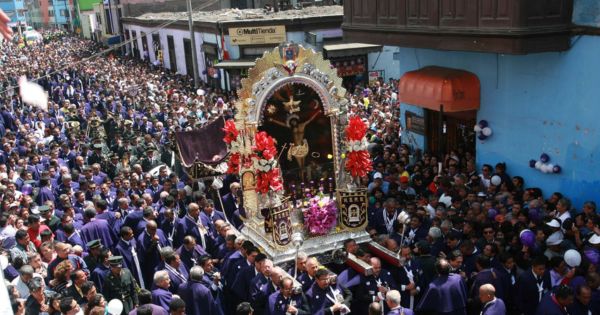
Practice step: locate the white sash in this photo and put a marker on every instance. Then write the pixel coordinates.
(389, 223)
(137, 266)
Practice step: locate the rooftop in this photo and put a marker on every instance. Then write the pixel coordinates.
(237, 15)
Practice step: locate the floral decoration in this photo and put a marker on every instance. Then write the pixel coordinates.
(232, 140)
(358, 160)
(268, 176)
(231, 132)
(320, 216)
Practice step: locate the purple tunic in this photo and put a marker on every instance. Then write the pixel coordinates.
(445, 295)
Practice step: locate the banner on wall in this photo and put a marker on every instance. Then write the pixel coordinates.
(375, 75)
(350, 66)
(257, 35)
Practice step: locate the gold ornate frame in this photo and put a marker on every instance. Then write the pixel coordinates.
(273, 71)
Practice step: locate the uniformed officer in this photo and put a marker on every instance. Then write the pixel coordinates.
(120, 284)
(93, 248)
(96, 156)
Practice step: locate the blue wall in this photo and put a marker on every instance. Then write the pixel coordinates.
(536, 103)
(586, 12)
(12, 7)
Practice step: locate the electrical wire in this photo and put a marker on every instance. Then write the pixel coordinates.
(114, 47)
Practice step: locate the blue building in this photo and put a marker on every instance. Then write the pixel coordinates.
(62, 13)
(14, 9)
(538, 82)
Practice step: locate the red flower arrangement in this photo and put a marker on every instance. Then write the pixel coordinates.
(356, 129)
(268, 181)
(358, 160)
(267, 174)
(265, 146)
(233, 164)
(231, 132)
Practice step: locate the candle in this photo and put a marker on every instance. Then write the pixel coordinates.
(330, 187)
(293, 191)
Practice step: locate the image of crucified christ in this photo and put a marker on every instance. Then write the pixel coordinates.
(299, 148)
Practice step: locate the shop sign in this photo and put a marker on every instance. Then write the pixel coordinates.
(375, 75)
(350, 66)
(257, 35)
(414, 123)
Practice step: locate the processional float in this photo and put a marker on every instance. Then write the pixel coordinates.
(299, 156)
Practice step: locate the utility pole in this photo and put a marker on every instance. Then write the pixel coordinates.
(193, 42)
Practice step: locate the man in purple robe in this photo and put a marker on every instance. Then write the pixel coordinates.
(149, 244)
(285, 301)
(392, 300)
(177, 272)
(327, 298)
(446, 294)
(492, 305)
(197, 297)
(145, 298)
(161, 296)
(531, 286)
(582, 304)
(126, 247)
(192, 225)
(190, 252)
(556, 303)
(97, 229)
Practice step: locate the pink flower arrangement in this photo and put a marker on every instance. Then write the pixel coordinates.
(320, 216)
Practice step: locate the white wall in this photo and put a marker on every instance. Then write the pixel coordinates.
(178, 37)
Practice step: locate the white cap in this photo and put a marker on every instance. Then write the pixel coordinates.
(446, 200)
(595, 239)
(377, 175)
(553, 223)
(555, 238)
(200, 92)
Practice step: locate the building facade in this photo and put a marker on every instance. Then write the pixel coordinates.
(15, 9)
(537, 87)
(228, 44)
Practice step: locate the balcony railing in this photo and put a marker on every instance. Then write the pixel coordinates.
(507, 26)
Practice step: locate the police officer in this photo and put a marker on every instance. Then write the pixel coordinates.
(120, 284)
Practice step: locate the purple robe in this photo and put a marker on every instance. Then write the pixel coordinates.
(549, 306)
(188, 256)
(400, 311)
(495, 307)
(197, 298)
(445, 295)
(149, 255)
(124, 249)
(156, 310)
(278, 304)
(162, 298)
(99, 229)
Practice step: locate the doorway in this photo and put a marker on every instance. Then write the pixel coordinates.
(189, 63)
(172, 58)
(456, 132)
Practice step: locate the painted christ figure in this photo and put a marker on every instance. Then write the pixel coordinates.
(299, 148)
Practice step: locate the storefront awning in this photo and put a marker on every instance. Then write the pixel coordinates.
(235, 64)
(351, 49)
(430, 87)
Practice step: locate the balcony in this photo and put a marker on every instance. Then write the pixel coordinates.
(500, 26)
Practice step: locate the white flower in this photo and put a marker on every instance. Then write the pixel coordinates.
(356, 145)
(263, 165)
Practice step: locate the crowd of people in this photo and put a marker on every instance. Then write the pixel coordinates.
(95, 208)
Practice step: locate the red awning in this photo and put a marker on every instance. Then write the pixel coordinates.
(430, 87)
